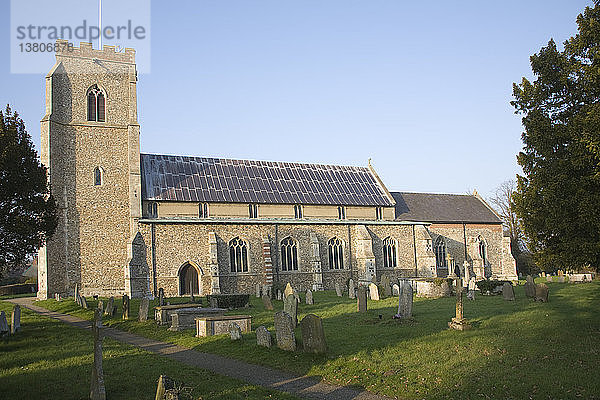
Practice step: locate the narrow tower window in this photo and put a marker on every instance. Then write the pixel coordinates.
(97, 176)
(96, 104)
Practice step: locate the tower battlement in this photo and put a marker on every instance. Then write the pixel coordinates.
(85, 50)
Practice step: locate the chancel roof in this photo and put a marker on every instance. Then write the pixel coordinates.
(199, 179)
(430, 207)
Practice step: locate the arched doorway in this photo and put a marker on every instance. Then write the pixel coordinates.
(189, 280)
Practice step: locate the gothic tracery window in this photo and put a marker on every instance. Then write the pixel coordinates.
(289, 254)
(336, 253)
(96, 104)
(440, 253)
(238, 255)
(389, 253)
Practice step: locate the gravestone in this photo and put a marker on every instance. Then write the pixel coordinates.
(4, 330)
(459, 322)
(284, 331)
(541, 292)
(97, 390)
(161, 297)
(309, 297)
(164, 384)
(548, 278)
(258, 287)
(84, 303)
(387, 288)
(373, 291)
(279, 295)
(405, 301)
(351, 289)
(472, 286)
(508, 293)
(288, 290)
(110, 307)
(126, 306)
(290, 306)
(57, 296)
(361, 299)
(143, 313)
(15, 320)
(560, 272)
(267, 302)
(100, 305)
(338, 289)
(235, 332)
(395, 289)
(313, 335)
(297, 295)
(529, 287)
(263, 337)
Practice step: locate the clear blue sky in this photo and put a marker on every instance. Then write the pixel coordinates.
(422, 88)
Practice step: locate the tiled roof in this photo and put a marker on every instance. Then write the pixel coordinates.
(198, 179)
(429, 207)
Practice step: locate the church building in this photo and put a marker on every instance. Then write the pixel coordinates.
(131, 223)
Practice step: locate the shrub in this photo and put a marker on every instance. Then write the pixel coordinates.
(228, 300)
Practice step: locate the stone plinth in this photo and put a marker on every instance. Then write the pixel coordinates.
(219, 325)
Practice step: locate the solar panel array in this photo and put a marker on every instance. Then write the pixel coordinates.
(199, 179)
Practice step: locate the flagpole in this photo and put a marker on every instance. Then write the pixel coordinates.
(100, 23)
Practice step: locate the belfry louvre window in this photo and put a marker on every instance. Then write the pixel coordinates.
(440, 253)
(289, 254)
(203, 210)
(253, 210)
(97, 176)
(152, 209)
(238, 255)
(341, 212)
(96, 104)
(336, 253)
(389, 253)
(298, 211)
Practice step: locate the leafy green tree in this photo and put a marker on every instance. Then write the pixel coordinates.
(558, 198)
(27, 211)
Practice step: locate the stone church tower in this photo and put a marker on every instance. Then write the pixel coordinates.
(90, 145)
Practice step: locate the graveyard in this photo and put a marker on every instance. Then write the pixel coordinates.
(520, 348)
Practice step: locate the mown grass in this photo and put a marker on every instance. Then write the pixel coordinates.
(519, 349)
(51, 360)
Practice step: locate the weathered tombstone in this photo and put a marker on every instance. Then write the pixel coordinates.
(405, 301)
(313, 335)
(267, 302)
(529, 287)
(284, 331)
(548, 278)
(15, 320)
(126, 306)
(387, 288)
(161, 297)
(258, 287)
(541, 292)
(235, 332)
(290, 306)
(84, 303)
(164, 384)
(297, 295)
(110, 307)
(263, 337)
(543, 274)
(279, 295)
(143, 313)
(100, 305)
(338, 289)
(472, 286)
(57, 296)
(361, 299)
(373, 291)
(459, 322)
(288, 290)
(309, 297)
(351, 289)
(97, 390)
(508, 293)
(395, 289)
(4, 330)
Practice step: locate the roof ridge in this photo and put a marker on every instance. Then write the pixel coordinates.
(435, 194)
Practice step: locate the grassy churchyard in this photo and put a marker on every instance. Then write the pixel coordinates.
(520, 349)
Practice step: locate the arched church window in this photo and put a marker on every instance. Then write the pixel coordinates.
(96, 104)
(389, 253)
(289, 254)
(98, 178)
(336, 253)
(440, 253)
(238, 255)
(482, 249)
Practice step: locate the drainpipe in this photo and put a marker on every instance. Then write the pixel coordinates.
(153, 250)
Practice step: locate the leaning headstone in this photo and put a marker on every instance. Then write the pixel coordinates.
(387, 288)
(529, 287)
(279, 295)
(97, 390)
(471, 288)
(84, 303)
(4, 330)
(405, 301)
(313, 335)
(126, 306)
(351, 289)
(361, 299)
(309, 297)
(290, 306)
(164, 384)
(288, 290)
(395, 289)
(459, 322)
(541, 292)
(373, 291)
(508, 293)
(161, 297)
(258, 287)
(235, 332)
(267, 302)
(338, 289)
(144, 303)
(284, 331)
(263, 337)
(110, 307)
(15, 320)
